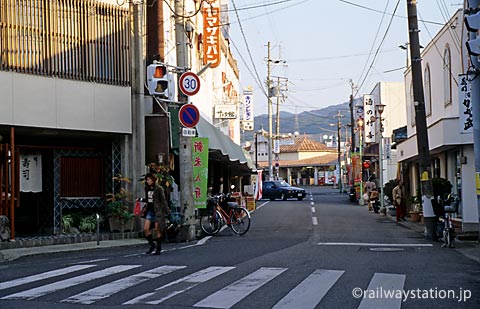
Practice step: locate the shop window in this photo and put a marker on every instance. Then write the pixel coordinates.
(436, 167)
(81, 177)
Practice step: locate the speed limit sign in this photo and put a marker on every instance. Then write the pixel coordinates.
(189, 83)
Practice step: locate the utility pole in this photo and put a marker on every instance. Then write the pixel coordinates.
(475, 86)
(339, 126)
(185, 143)
(135, 155)
(270, 125)
(421, 121)
(352, 142)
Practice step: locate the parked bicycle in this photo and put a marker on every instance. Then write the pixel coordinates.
(448, 206)
(221, 210)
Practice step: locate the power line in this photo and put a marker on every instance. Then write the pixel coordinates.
(378, 49)
(247, 46)
(393, 15)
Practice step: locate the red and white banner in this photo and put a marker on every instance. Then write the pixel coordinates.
(258, 187)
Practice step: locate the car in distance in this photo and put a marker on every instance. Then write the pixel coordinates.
(282, 190)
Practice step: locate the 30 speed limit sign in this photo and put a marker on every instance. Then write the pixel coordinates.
(189, 83)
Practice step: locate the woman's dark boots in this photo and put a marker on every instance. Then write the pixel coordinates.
(158, 249)
(151, 244)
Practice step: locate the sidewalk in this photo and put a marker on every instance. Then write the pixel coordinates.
(464, 243)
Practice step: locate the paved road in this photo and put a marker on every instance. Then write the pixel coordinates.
(284, 261)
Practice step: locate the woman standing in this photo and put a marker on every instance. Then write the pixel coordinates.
(157, 210)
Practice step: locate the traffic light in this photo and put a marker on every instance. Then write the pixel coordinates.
(160, 81)
(472, 23)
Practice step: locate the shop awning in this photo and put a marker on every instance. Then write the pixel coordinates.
(223, 148)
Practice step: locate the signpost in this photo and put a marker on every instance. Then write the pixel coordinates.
(189, 83)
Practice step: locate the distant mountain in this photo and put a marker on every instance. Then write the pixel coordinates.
(315, 123)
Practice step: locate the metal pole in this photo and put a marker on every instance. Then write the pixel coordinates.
(475, 86)
(420, 120)
(185, 143)
(380, 157)
(339, 116)
(270, 166)
(361, 167)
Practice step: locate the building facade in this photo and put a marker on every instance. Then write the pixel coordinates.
(444, 64)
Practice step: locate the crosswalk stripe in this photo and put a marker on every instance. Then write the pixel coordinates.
(375, 296)
(106, 290)
(235, 292)
(179, 286)
(311, 290)
(45, 289)
(46, 275)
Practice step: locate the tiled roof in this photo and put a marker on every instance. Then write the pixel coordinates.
(327, 159)
(303, 144)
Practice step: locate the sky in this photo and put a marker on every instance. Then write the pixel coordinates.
(327, 45)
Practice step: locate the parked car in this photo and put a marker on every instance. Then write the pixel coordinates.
(282, 190)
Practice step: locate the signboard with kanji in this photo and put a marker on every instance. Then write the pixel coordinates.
(226, 111)
(369, 119)
(465, 104)
(200, 171)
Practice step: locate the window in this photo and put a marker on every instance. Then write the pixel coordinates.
(412, 106)
(428, 91)
(81, 177)
(447, 73)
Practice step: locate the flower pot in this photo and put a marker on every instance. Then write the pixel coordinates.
(414, 216)
(120, 225)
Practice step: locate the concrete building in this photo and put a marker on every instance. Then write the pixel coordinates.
(65, 111)
(444, 63)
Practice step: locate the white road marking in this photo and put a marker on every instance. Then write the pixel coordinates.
(179, 286)
(366, 244)
(313, 209)
(314, 221)
(60, 285)
(106, 290)
(311, 290)
(91, 261)
(48, 274)
(389, 283)
(235, 292)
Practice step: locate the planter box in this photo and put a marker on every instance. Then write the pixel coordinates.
(119, 225)
(414, 216)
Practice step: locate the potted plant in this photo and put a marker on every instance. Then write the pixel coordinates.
(416, 206)
(120, 217)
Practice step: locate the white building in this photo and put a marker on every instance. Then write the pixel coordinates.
(444, 60)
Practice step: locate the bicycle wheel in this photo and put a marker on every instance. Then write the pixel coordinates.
(240, 221)
(210, 222)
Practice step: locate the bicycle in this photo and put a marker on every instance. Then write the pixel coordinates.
(221, 211)
(449, 207)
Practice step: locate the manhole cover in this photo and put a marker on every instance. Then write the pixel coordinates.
(386, 249)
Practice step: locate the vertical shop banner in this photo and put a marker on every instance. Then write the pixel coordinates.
(465, 113)
(258, 187)
(211, 35)
(357, 172)
(248, 110)
(200, 171)
(31, 172)
(369, 119)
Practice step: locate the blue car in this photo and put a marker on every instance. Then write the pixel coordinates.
(282, 190)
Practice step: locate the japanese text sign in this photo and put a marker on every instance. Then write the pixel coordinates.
(211, 36)
(465, 104)
(369, 119)
(200, 171)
